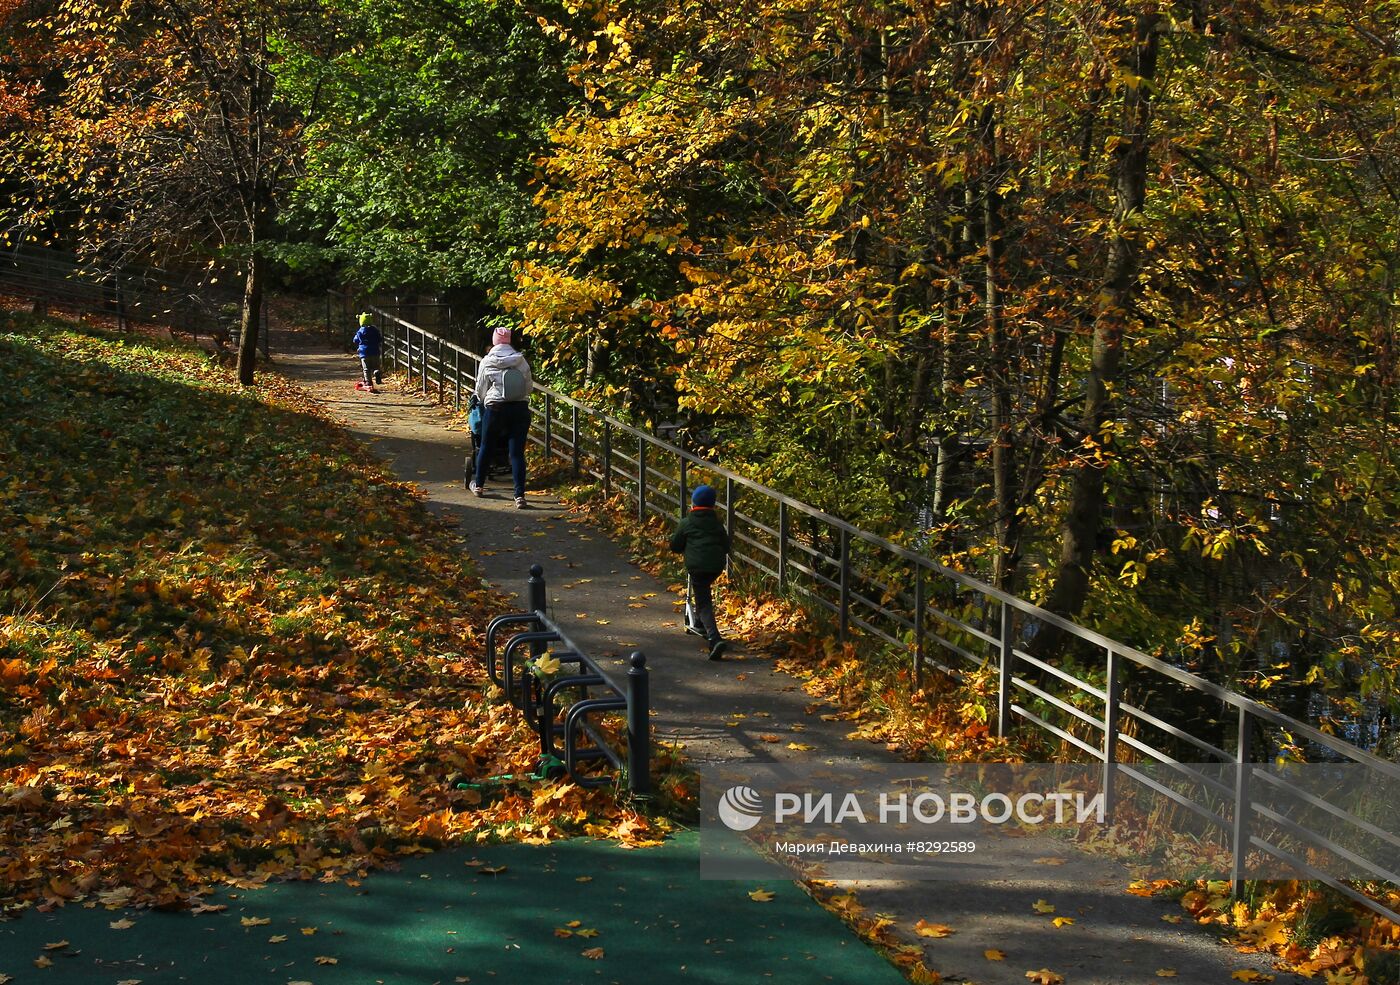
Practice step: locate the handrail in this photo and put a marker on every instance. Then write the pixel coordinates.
(967, 581)
(860, 599)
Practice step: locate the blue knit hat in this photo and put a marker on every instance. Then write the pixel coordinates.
(703, 496)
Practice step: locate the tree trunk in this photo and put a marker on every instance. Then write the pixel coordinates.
(1004, 490)
(1080, 529)
(251, 319)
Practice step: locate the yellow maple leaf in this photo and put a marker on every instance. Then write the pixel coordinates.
(1250, 975)
(925, 929)
(760, 896)
(992, 954)
(1166, 972)
(1043, 906)
(593, 953)
(1063, 921)
(1045, 977)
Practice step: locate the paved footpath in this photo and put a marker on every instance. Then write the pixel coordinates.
(728, 711)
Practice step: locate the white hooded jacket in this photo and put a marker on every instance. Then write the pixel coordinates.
(491, 377)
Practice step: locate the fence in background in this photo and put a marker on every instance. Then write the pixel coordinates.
(128, 293)
(1128, 707)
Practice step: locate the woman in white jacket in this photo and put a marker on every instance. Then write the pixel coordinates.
(503, 385)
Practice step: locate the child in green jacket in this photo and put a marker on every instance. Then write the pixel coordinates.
(702, 537)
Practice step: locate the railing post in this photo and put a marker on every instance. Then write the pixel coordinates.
(639, 724)
(442, 371)
(548, 424)
(1240, 834)
(918, 627)
(782, 545)
(535, 598)
(607, 457)
(683, 482)
(1004, 668)
(729, 512)
(456, 379)
(845, 583)
(423, 342)
(641, 480)
(1113, 690)
(573, 408)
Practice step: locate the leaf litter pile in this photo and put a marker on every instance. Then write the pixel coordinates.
(232, 649)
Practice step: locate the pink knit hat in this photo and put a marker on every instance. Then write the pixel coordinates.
(500, 336)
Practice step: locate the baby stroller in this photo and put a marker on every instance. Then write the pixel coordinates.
(498, 459)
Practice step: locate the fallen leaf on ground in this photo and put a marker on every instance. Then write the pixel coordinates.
(760, 896)
(1063, 921)
(1042, 906)
(925, 929)
(593, 953)
(122, 924)
(1250, 975)
(1045, 977)
(1166, 972)
(992, 954)
(255, 921)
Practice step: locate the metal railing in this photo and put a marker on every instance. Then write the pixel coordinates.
(569, 707)
(128, 292)
(1127, 707)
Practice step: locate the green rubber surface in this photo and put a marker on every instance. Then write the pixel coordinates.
(438, 919)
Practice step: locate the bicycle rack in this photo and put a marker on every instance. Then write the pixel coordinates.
(546, 704)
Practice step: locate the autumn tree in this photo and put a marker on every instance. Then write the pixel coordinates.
(156, 131)
(1107, 289)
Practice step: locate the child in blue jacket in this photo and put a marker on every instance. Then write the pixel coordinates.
(367, 343)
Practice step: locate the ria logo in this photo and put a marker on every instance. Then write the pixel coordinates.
(740, 808)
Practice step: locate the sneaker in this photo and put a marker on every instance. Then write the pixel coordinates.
(520, 502)
(476, 490)
(717, 648)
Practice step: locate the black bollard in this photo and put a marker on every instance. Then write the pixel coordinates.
(639, 724)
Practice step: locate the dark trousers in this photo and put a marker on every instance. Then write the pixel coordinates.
(702, 585)
(513, 420)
